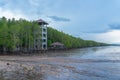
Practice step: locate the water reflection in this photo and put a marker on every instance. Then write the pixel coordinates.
(104, 63)
(110, 52)
(95, 63)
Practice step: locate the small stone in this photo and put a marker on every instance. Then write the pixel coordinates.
(8, 64)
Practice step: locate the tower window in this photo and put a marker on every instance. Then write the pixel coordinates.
(44, 35)
(44, 46)
(44, 40)
(44, 30)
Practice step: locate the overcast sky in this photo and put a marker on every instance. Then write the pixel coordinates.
(97, 20)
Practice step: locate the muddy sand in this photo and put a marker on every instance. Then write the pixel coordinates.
(60, 68)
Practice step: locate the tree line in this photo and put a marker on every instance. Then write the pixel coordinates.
(20, 34)
(17, 34)
(68, 40)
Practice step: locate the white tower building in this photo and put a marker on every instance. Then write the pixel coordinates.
(43, 26)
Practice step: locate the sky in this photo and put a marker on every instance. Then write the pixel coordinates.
(97, 20)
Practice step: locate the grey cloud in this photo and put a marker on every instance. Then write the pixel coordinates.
(114, 26)
(97, 31)
(56, 18)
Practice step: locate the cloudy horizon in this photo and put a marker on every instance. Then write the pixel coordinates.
(97, 20)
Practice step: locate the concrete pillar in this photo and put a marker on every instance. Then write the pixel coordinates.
(44, 36)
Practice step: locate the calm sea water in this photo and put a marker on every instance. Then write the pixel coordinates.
(107, 53)
(99, 63)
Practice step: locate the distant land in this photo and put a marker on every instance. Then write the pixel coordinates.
(114, 44)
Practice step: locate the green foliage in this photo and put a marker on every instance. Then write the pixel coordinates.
(15, 33)
(68, 40)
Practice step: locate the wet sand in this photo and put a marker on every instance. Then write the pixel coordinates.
(62, 68)
(102, 64)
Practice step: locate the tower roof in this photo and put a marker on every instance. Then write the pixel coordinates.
(40, 21)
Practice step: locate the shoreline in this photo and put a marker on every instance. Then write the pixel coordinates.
(44, 52)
